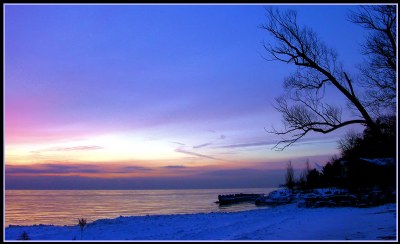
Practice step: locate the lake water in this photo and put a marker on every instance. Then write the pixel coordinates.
(64, 207)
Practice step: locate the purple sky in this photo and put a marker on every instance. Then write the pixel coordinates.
(153, 96)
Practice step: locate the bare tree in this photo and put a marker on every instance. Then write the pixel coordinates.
(304, 175)
(378, 73)
(289, 179)
(303, 107)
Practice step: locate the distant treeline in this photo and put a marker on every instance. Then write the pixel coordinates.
(367, 160)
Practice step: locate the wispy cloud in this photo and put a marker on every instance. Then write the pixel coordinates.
(179, 143)
(72, 168)
(175, 167)
(195, 154)
(309, 141)
(136, 168)
(202, 145)
(77, 148)
(232, 172)
(52, 169)
(252, 144)
(221, 137)
(312, 141)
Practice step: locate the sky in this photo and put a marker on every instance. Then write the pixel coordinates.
(154, 96)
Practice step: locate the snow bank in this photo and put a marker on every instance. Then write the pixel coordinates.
(287, 222)
(381, 161)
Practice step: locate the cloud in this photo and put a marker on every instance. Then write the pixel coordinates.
(310, 141)
(313, 141)
(179, 143)
(221, 137)
(252, 144)
(237, 173)
(51, 169)
(195, 154)
(234, 178)
(202, 145)
(62, 168)
(135, 168)
(175, 167)
(77, 148)
(80, 148)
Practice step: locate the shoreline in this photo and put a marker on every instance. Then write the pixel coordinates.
(286, 222)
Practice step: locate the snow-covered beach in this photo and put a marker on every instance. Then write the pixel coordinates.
(286, 222)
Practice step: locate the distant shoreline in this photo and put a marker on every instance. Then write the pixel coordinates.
(286, 222)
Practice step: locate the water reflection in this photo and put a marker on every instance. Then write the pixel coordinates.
(64, 207)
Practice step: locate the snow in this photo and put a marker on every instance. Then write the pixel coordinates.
(381, 161)
(326, 192)
(286, 222)
(283, 195)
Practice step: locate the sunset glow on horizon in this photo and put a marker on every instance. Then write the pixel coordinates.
(163, 92)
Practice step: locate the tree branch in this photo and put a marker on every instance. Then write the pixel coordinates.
(317, 66)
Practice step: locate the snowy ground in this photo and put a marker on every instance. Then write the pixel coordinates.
(286, 222)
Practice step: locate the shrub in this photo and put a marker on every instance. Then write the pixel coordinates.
(24, 236)
(82, 222)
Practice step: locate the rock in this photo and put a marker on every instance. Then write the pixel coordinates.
(278, 197)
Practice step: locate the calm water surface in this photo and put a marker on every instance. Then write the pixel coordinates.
(64, 207)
